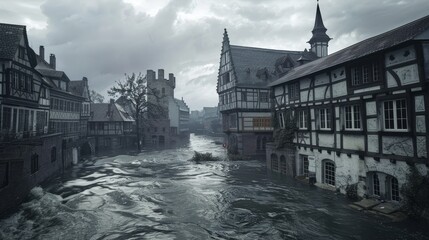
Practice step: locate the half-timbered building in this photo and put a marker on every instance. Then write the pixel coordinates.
(360, 113)
(111, 126)
(65, 107)
(28, 150)
(244, 95)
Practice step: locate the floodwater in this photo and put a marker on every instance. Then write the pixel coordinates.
(162, 195)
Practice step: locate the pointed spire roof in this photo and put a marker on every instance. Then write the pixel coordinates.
(319, 29)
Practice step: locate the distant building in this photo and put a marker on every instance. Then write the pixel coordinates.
(111, 126)
(361, 114)
(183, 113)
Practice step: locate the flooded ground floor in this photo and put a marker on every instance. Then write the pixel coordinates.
(161, 195)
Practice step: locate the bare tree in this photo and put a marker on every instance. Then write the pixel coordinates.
(135, 92)
(96, 97)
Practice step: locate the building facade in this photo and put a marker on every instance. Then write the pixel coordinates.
(360, 114)
(244, 95)
(29, 151)
(111, 126)
(65, 107)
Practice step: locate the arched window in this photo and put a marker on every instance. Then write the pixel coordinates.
(394, 189)
(282, 164)
(329, 172)
(274, 162)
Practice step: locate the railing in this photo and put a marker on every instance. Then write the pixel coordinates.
(9, 136)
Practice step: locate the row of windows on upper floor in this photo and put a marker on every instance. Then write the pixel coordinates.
(226, 98)
(65, 105)
(360, 75)
(394, 117)
(19, 120)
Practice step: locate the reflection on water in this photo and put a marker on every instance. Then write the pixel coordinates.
(161, 195)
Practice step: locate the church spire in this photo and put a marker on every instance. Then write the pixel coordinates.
(319, 40)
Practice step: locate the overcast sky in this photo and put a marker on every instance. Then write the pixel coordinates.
(103, 39)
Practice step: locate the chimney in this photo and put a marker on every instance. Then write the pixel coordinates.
(150, 75)
(42, 52)
(161, 74)
(170, 77)
(53, 61)
(110, 108)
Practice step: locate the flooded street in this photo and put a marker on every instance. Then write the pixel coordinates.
(162, 195)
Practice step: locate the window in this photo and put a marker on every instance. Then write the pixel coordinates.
(324, 119)
(376, 185)
(274, 162)
(244, 96)
(283, 164)
(302, 119)
(226, 78)
(352, 117)
(34, 163)
(261, 122)
(394, 189)
(53, 154)
(304, 165)
(43, 92)
(4, 175)
(294, 91)
(329, 173)
(6, 118)
(365, 73)
(281, 120)
(395, 115)
(21, 52)
(263, 97)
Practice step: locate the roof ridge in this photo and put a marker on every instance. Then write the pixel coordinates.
(266, 49)
(13, 25)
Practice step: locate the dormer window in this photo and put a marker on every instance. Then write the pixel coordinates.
(21, 52)
(365, 73)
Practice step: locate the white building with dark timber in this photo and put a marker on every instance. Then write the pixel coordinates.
(244, 95)
(361, 114)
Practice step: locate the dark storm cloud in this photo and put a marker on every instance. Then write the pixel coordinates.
(103, 39)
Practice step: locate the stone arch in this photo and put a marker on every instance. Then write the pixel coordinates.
(274, 162)
(86, 149)
(383, 185)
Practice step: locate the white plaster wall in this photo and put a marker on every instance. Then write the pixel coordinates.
(338, 74)
(353, 142)
(326, 140)
(402, 146)
(339, 89)
(321, 79)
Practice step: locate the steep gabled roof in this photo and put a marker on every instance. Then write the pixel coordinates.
(369, 46)
(77, 87)
(100, 113)
(53, 73)
(182, 105)
(247, 61)
(10, 36)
